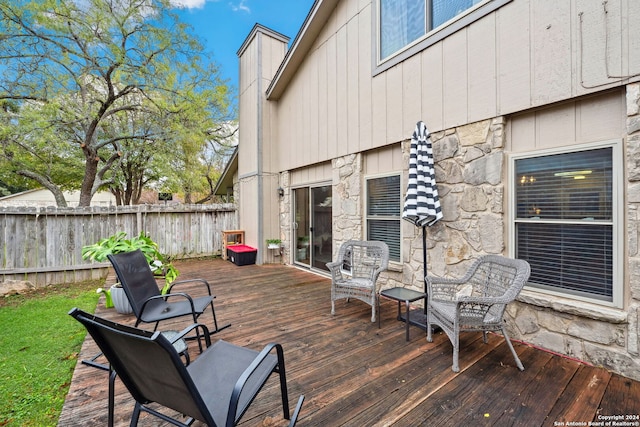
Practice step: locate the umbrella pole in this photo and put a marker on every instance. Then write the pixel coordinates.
(424, 258)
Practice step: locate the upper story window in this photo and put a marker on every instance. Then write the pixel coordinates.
(404, 21)
(566, 216)
(407, 27)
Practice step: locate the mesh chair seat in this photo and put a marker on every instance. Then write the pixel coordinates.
(218, 385)
(163, 310)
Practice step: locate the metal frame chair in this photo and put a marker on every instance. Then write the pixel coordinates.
(148, 304)
(356, 270)
(217, 388)
(476, 302)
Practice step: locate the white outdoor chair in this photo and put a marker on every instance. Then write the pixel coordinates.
(477, 301)
(356, 270)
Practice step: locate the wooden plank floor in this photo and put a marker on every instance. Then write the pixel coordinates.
(354, 374)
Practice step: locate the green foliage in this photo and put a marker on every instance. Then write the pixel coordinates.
(38, 352)
(118, 243)
(102, 94)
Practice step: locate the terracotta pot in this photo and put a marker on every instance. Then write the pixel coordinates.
(120, 300)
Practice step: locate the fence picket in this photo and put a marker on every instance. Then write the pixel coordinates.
(43, 245)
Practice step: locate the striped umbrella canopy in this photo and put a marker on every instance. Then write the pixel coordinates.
(421, 204)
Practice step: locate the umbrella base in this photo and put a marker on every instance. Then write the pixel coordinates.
(417, 317)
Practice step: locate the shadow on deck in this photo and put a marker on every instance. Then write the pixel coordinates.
(354, 374)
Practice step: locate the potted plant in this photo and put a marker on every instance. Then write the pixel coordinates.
(118, 243)
(274, 243)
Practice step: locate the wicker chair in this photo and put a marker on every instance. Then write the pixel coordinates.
(356, 271)
(477, 301)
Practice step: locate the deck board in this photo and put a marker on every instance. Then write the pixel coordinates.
(355, 374)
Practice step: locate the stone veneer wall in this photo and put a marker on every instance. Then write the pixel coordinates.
(470, 162)
(633, 221)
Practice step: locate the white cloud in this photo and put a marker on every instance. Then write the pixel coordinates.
(189, 4)
(240, 7)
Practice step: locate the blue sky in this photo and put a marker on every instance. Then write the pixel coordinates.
(223, 25)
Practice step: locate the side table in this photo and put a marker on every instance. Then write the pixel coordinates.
(401, 295)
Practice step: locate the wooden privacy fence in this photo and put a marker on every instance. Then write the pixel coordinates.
(43, 245)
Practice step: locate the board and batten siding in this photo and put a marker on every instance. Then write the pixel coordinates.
(525, 55)
(594, 118)
(260, 57)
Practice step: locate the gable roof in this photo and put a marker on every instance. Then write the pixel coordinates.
(226, 178)
(311, 27)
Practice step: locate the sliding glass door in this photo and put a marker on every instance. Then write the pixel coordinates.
(312, 226)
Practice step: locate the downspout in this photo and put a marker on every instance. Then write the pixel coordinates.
(260, 158)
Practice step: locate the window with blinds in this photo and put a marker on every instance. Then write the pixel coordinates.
(564, 221)
(401, 22)
(383, 212)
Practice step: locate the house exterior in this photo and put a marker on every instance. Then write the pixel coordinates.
(42, 198)
(534, 112)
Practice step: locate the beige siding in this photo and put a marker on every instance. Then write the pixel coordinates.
(247, 207)
(454, 70)
(550, 43)
(272, 53)
(352, 81)
(259, 153)
(270, 200)
(342, 90)
(363, 60)
(247, 157)
(513, 60)
(332, 99)
(631, 10)
(432, 89)
(526, 54)
(312, 175)
(592, 119)
(385, 160)
(482, 94)
(323, 111)
(411, 98)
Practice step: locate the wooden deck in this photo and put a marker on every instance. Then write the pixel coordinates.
(354, 374)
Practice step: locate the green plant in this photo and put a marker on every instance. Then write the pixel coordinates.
(118, 243)
(108, 302)
(274, 241)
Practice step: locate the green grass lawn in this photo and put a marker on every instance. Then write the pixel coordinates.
(39, 344)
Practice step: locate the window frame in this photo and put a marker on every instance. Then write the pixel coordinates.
(617, 218)
(366, 216)
(431, 37)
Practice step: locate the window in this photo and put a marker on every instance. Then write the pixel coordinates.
(565, 221)
(383, 212)
(401, 22)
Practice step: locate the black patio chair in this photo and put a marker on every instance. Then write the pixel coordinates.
(217, 388)
(148, 304)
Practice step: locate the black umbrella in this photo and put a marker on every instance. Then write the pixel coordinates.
(421, 204)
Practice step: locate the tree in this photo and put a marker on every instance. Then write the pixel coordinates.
(89, 71)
